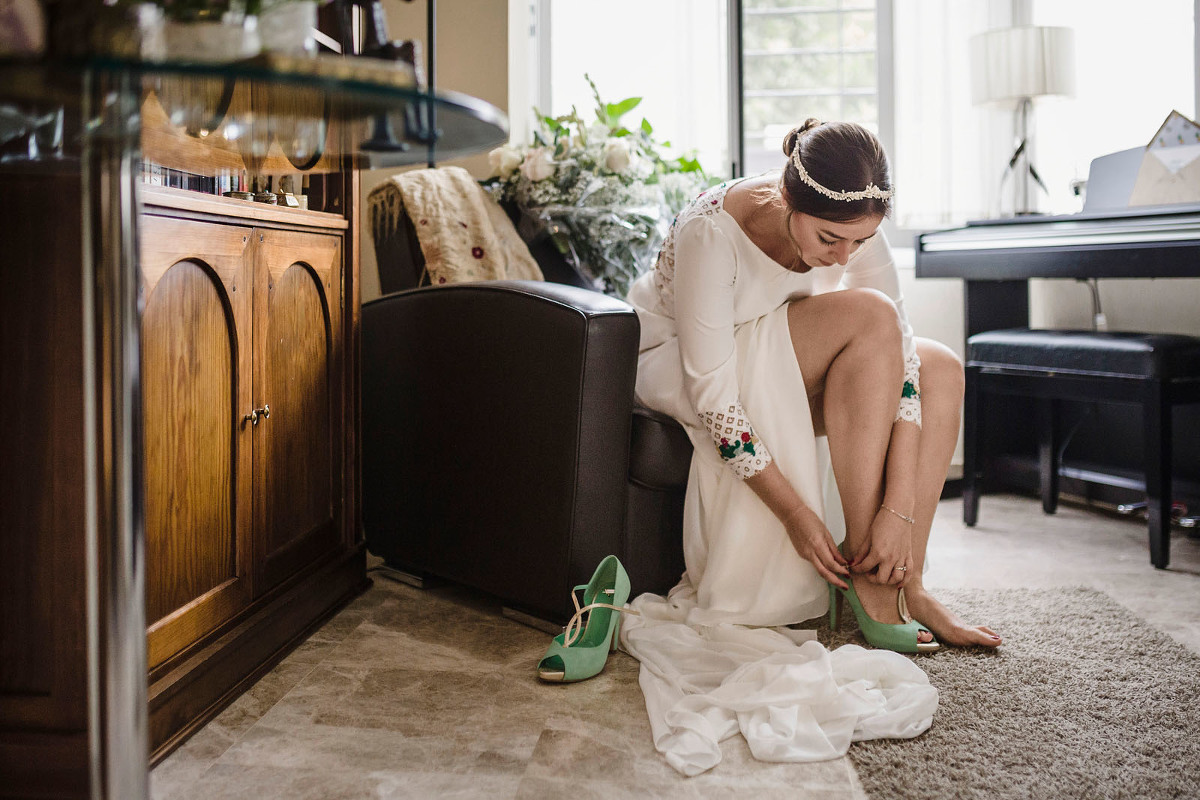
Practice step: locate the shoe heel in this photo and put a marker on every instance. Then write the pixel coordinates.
(835, 602)
(616, 634)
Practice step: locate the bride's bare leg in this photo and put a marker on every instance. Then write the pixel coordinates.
(941, 401)
(849, 348)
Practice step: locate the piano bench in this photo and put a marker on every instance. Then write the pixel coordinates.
(1154, 371)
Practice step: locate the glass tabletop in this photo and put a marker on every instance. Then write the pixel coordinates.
(272, 114)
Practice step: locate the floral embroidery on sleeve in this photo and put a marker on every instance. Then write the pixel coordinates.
(910, 395)
(736, 441)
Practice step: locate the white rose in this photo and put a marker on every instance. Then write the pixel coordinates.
(538, 164)
(617, 154)
(504, 160)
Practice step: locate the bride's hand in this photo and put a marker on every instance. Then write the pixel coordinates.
(813, 542)
(887, 556)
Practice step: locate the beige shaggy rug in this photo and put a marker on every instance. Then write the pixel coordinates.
(1083, 701)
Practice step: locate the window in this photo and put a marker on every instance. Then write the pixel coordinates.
(801, 59)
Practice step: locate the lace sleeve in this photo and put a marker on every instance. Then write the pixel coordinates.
(910, 395)
(736, 441)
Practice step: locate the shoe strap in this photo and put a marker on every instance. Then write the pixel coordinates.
(902, 607)
(576, 626)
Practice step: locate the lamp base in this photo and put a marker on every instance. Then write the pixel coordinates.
(1020, 166)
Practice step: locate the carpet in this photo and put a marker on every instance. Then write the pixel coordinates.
(1084, 700)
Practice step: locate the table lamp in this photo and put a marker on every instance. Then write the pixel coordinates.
(1010, 67)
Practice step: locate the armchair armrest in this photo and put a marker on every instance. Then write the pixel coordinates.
(496, 421)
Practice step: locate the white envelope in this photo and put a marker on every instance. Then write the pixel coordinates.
(1170, 171)
(1176, 158)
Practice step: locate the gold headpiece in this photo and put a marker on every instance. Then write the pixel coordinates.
(870, 192)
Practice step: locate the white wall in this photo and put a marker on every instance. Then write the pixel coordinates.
(1154, 306)
(472, 57)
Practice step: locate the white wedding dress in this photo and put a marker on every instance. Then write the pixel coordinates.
(716, 354)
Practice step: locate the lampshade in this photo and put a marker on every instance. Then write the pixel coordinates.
(1011, 64)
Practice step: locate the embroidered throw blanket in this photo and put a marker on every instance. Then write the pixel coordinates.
(464, 234)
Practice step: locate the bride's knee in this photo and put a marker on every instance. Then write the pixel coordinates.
(875, 317)
(941, 369)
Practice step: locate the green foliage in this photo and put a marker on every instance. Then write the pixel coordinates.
(602, 191)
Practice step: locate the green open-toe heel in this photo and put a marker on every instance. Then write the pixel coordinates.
(581, 650)
(898, 638)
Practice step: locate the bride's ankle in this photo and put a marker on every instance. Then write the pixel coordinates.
(914, 588)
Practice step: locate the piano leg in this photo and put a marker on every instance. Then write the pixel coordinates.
(995, 305)
(972, 439)
(1158, 475)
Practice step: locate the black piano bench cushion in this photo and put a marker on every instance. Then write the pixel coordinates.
(1091, 353)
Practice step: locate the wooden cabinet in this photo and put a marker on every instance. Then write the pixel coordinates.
(247, 397)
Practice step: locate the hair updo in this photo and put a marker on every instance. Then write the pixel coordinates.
(841, 156)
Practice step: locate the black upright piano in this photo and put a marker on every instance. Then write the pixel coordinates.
(996, 259)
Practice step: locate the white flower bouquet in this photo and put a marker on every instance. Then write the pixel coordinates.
(603, 193)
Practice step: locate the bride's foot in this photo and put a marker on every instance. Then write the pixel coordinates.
(945, 624)
(879, 602)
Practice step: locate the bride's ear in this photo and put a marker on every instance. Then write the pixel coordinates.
(784, 197)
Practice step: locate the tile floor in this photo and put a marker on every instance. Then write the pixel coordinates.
(424, 694)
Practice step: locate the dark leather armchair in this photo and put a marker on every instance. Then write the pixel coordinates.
(501, 445)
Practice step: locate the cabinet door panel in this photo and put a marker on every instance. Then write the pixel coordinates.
(196, 338)
(298, 448)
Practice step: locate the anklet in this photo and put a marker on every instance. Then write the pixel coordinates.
(909, 520)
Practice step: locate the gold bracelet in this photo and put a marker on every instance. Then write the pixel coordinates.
(909, 520)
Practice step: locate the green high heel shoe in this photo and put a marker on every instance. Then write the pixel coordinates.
(581, 650)
(898, 638)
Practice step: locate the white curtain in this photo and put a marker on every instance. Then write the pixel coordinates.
(949, 154)
(671, 53)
